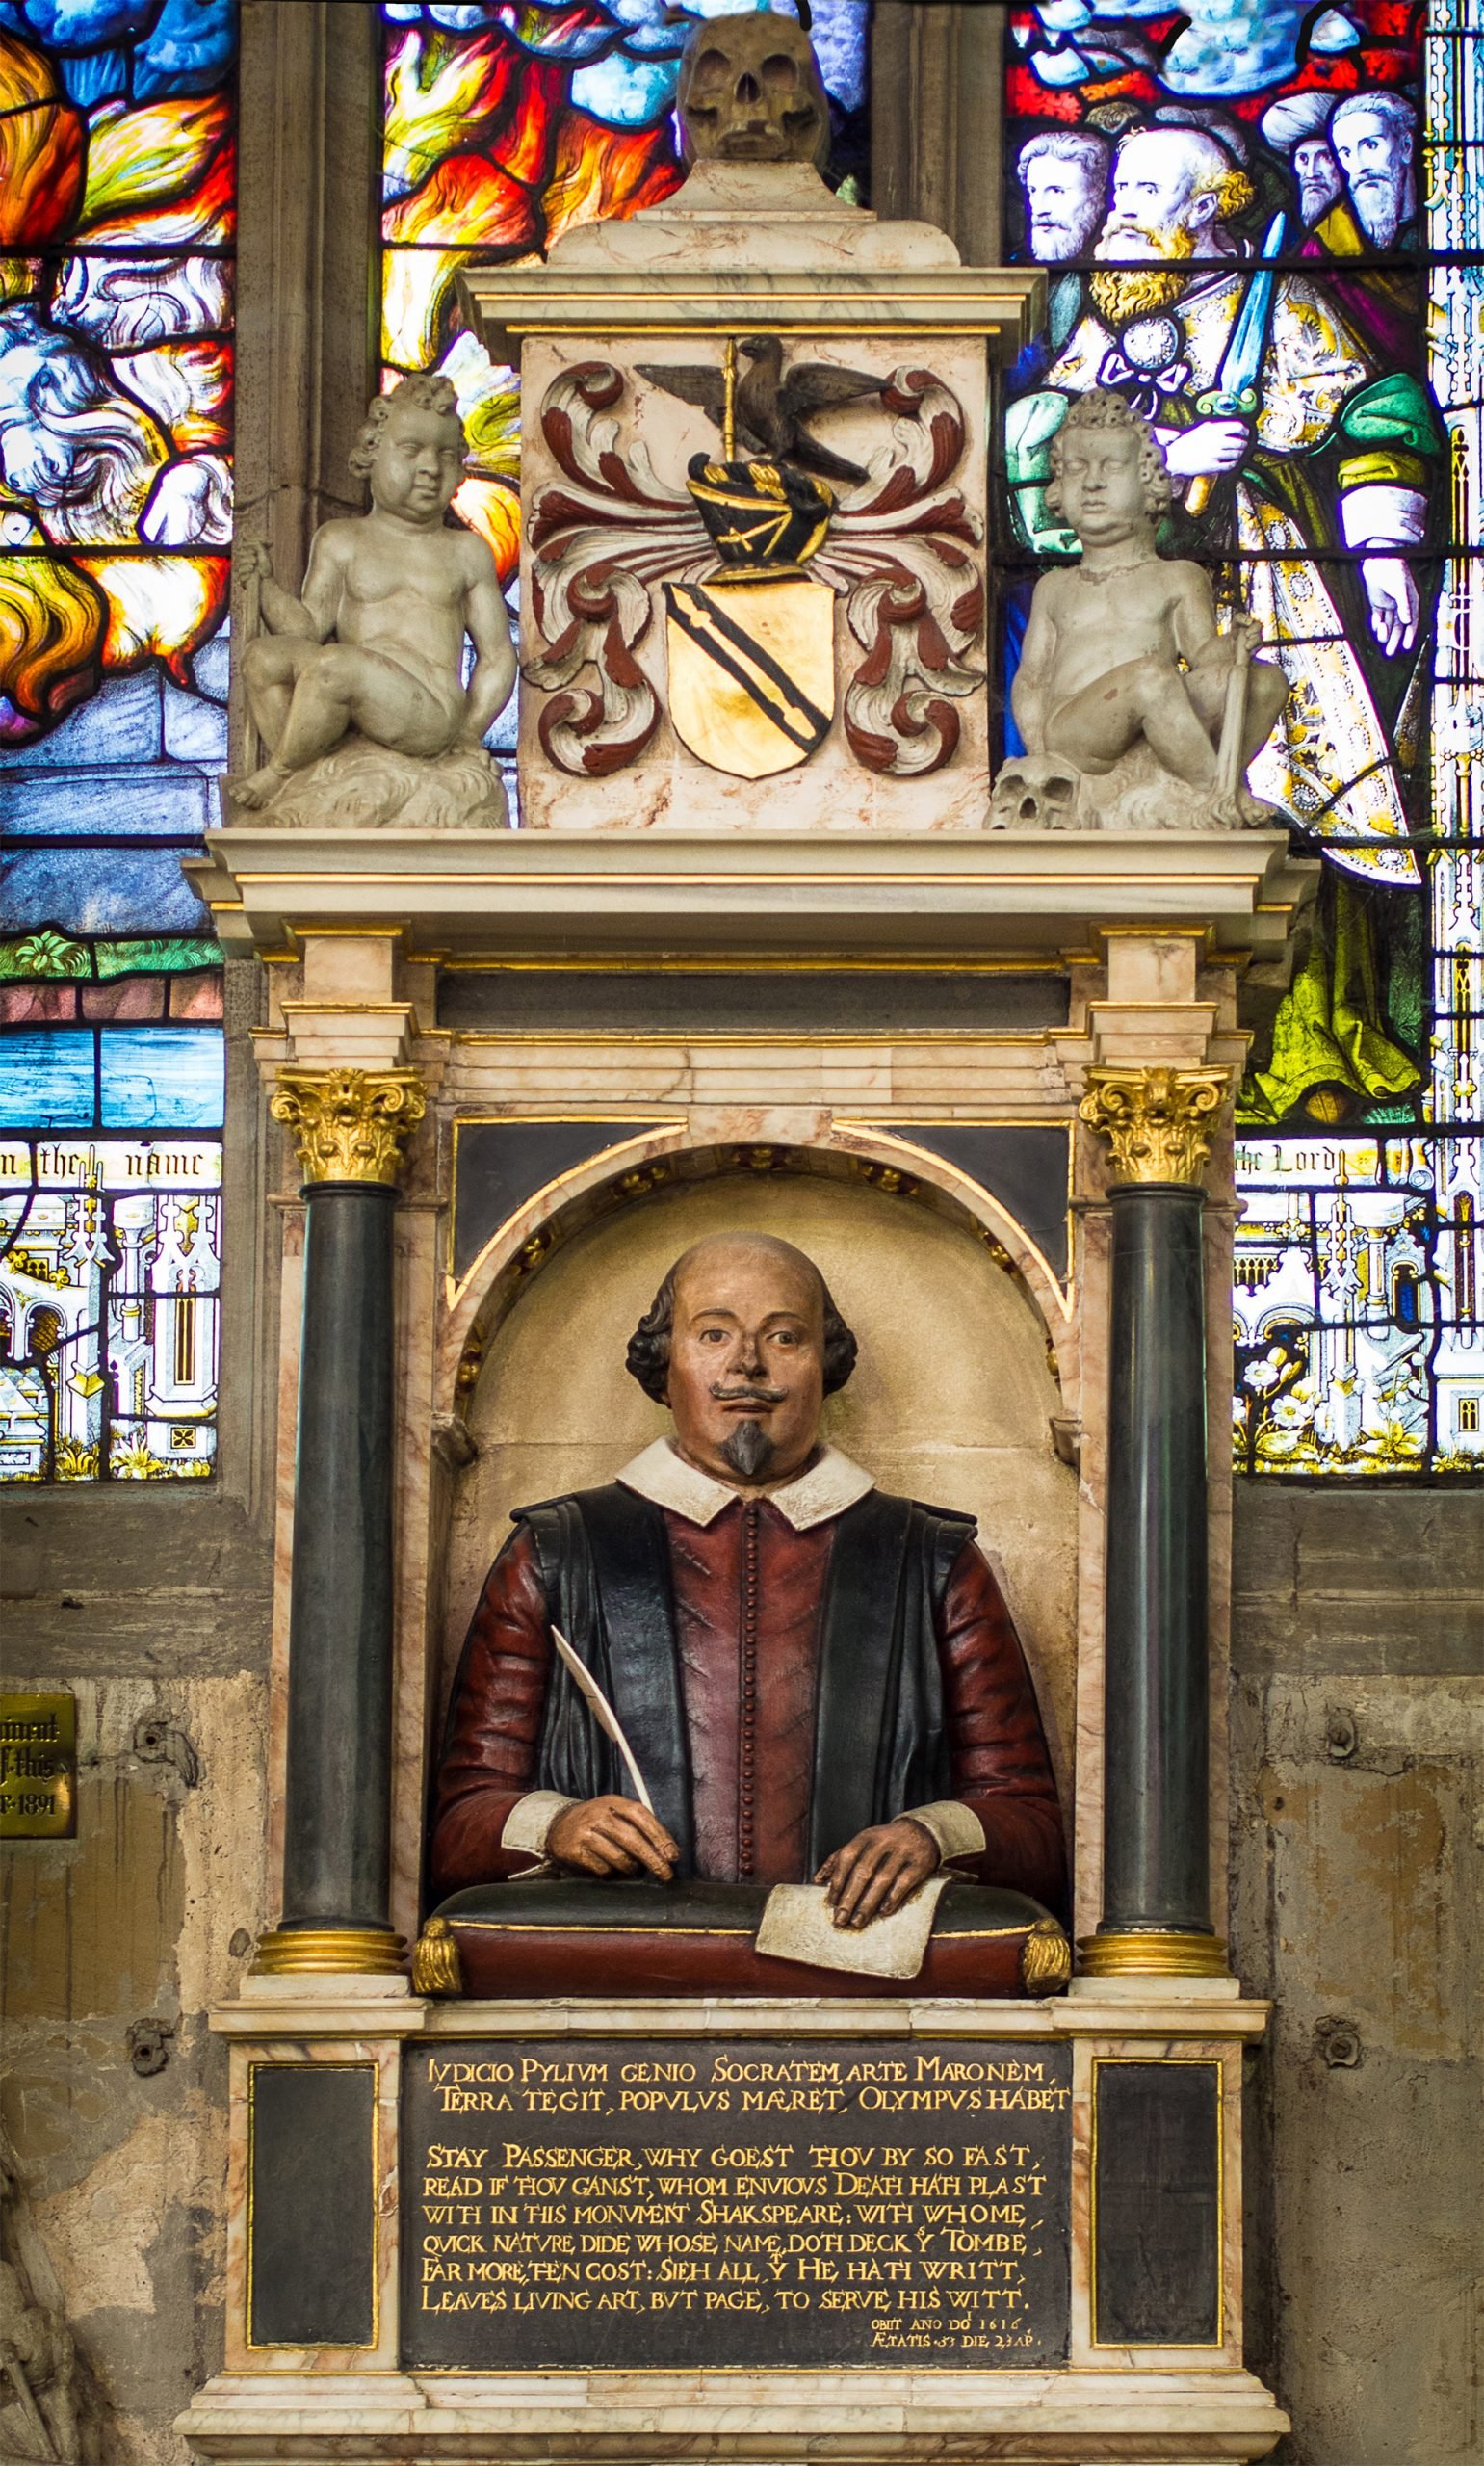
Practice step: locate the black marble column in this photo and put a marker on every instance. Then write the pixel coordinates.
(337, 1849)
(338, 1782)
(1156, 1724)
(1155, 1870)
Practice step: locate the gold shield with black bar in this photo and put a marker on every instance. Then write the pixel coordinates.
(752, 672)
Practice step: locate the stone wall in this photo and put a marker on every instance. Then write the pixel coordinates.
(1357, 1742)
(153, 1605)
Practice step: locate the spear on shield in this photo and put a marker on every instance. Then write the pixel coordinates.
(1234, 395)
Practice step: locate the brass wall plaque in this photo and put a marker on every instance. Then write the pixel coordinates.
(38, 1768)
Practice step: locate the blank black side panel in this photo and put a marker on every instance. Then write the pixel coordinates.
(1156, 2187)
(312, 2206)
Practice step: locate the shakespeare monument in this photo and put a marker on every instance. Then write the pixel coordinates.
(745, 1978)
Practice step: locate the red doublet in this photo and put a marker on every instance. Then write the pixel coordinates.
(749, 1595)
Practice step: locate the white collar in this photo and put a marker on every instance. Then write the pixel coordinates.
(826, 1489)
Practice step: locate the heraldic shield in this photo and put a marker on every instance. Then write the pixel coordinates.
(752, 671)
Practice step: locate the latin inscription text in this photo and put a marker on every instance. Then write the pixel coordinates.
(763, 2204)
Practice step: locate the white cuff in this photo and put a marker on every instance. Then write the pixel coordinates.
(1383, 516)
(531, 1820)
(955, 1828)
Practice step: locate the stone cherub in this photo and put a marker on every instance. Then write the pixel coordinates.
(357, 686)
(1122, 659)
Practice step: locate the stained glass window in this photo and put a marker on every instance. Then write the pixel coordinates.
(505, 126)
(1260, 224)
(117, 228)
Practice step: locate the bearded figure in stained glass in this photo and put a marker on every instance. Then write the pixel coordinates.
(367, 667)
(1345, 202)
(1286, 437)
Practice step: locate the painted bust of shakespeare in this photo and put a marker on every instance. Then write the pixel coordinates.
(362, 676)
(1122, 649)
(820, 1680)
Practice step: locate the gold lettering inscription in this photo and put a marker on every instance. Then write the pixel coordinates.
(926, 2240)
(38, 1768)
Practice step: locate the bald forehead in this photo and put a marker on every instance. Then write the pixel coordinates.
(731, 1264)
(1168, 151)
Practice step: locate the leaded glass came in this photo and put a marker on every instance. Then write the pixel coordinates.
(118, 186)
(1261, 225)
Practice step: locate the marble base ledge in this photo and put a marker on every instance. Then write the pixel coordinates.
(315, 2009)
(1153, 2417)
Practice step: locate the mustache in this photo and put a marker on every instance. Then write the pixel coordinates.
(721, 1394)
(1160, 241)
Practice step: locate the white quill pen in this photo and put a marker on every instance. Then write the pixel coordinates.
(603, 1713)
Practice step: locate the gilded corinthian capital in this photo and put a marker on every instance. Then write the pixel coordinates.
(1157, 1123)
(350, 1126)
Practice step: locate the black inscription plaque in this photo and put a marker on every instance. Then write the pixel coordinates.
(311, 2253)
(671, 2203)
(1157, 2188)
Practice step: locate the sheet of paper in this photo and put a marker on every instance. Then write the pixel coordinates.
(797, 1925)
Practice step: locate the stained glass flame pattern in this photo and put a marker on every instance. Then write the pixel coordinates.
(118, 186)
(1261, 223)
(505, 126)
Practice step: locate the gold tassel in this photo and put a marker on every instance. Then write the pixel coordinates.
(435, 1969)
(1044, 1958)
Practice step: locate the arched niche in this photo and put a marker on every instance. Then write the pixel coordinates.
(953, 1399)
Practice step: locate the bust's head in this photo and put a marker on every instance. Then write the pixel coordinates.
(743, 1343)
(411, 449)
(1108, 480)
(750, 91)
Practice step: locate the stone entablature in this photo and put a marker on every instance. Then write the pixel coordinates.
(818, 893)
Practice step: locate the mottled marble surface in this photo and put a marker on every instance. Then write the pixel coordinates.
(317, 2010)
(1143, 2043)
(276, 2363)
(1136, 2405)
(732, 215)
(1078, 2418)
(815, 890)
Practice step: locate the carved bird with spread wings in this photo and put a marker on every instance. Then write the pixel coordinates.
(771, 407)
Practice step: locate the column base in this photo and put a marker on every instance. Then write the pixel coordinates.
(329, 1951)
(1150, 1952)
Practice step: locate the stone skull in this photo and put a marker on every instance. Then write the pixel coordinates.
(1036, 794)
(751, 91)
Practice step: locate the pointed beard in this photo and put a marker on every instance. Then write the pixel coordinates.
(1378, 210)
(746, 1448)
(1119, 297)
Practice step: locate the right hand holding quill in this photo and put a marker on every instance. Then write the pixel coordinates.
(612, 1836)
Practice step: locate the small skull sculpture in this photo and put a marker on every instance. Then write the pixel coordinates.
(1034, 794)
(751, 91)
